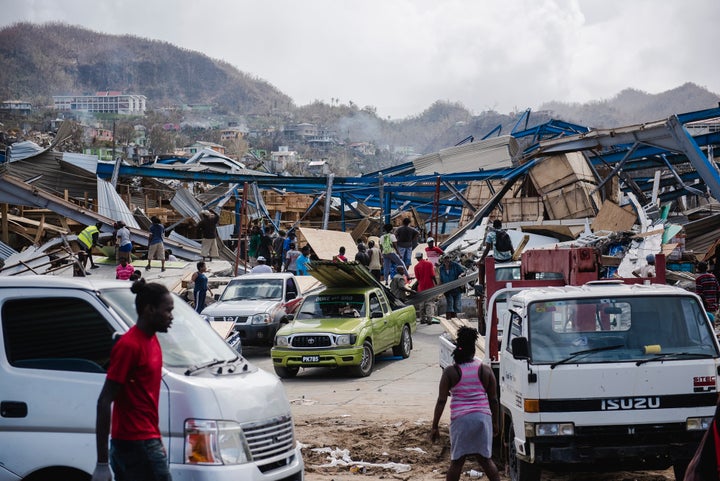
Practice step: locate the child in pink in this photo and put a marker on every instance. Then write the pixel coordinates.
(124, 270)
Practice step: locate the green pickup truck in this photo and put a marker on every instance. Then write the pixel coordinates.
(345, 325)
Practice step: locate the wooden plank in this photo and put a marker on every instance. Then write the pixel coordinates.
(613, 218)
(40, 230)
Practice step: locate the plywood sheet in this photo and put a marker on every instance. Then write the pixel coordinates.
(325, 243)
(613, 218)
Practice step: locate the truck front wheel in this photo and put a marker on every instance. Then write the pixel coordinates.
(366, 363)
(286, 372)
(519, 469)
(405, 346)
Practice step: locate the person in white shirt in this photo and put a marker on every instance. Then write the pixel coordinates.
(261, 267)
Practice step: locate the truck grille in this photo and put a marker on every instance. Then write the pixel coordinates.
(271, 439)
(238, 319)
(311, 341)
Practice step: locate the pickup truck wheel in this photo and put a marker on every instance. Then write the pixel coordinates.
(519, 470)
(286, 372)
(366, 363)
(403, 349)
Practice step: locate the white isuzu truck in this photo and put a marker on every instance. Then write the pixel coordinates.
(605, 376)
(221, 418)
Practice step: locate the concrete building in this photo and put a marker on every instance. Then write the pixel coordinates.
(112, 102)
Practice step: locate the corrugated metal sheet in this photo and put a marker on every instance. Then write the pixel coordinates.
(56, 176)
(180, 239)
(213, 158)
(226, 231)
(111, 205)
(23, 150)
(84, 161)
(185, 203)
(494, 153)
(342, 274)
(6, 251)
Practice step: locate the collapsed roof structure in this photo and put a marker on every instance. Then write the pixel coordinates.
(549, 178)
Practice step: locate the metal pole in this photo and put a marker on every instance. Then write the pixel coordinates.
(328, 198)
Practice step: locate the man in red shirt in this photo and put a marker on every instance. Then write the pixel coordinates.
(132, 387)
(706, 286)
(425, 275)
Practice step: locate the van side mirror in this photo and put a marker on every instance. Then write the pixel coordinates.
(520, 348)
(216, 297)
(290, 295)
(376, 315)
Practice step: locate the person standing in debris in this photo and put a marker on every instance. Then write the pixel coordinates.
(290, 239)
(88, 238)
(124, 271)
(200, 287)
(156, 246)
(433, 252)
(406, 240)
(389, 249)
(302, 261)
(129, 398)
(261, 267)
(254, 245)
(648, 270)
(208, 230)
(291, 259)
(398, 285)
(375, 264)
(474, 412)
(706, 286)
(265, 248)
(449, 271)
(499, 241)
(362, 256)
(277, 247)
(123, 241)
(341, 255)
(425, 275)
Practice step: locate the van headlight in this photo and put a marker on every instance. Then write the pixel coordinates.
(215, 442)
(549, 429)
(698, 424)
(345, 339)
(263, 318)
(282, 341)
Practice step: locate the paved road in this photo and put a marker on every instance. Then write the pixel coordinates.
(397, 388)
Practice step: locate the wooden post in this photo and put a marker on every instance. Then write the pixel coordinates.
(5, 232)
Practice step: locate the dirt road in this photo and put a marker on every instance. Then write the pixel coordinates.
(383, 421)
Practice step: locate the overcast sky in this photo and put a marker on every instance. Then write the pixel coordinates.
(400, 56)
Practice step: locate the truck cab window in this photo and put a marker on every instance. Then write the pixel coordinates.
(375, 305)
(515, 331)
(63, 333)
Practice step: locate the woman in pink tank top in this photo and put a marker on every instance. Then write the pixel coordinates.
(474, 412)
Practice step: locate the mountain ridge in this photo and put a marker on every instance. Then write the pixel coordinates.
(41, 60)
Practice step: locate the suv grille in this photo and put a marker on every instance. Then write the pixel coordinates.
(238, 319)
(270, 439)
(311, 341)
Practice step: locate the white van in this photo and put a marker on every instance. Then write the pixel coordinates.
(55, 340)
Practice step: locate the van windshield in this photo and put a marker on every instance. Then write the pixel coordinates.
(637, 328)
(190, 341)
